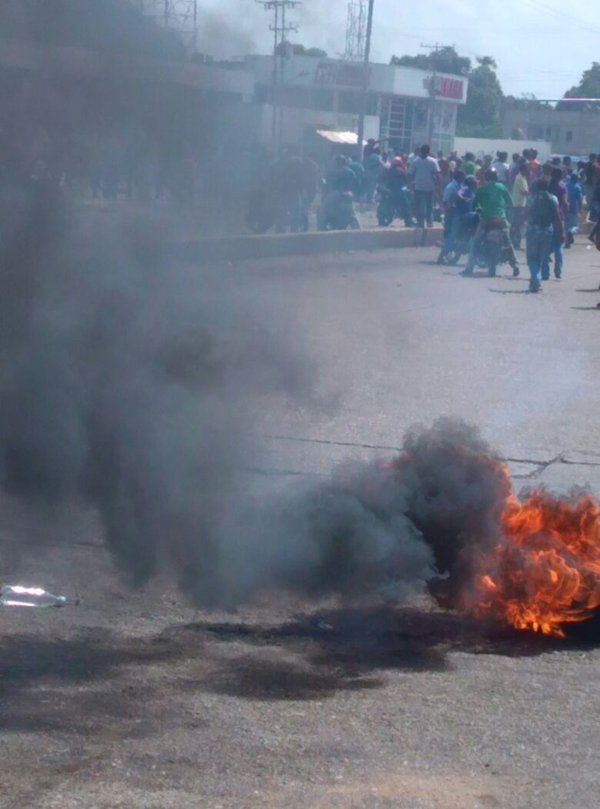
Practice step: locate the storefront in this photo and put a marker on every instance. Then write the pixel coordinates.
(405, 106)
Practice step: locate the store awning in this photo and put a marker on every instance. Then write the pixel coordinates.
(341, 138)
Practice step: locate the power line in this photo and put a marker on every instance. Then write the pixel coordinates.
(281, 27)
(176, 15)
(578, 21)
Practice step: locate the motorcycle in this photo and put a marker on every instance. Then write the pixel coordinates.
(393, 206)
(336, 212)
(266, 211)
(461, 238)
(494, 246)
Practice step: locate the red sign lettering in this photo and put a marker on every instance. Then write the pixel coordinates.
(449, 88)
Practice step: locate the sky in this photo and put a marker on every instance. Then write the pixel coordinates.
(541, 46)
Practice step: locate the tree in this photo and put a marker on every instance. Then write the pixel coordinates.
(444, 60)
(588, 87)
(526, 101)
(480, 116)
(296, 49)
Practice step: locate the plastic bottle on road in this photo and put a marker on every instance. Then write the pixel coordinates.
(19, 596)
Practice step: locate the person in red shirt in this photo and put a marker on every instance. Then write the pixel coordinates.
(534, 165)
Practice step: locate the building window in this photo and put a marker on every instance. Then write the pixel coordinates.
(535, 132)
(322, 100)
(568, 136)
(351, 101)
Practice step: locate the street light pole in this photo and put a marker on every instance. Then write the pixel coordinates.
(365, 81)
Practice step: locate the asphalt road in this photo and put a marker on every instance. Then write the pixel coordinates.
(138, 700)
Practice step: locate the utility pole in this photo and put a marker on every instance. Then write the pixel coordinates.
(280, 28)
(434, 50)
(180, 16)
(365, 80)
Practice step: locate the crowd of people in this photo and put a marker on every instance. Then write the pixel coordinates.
(543, 204)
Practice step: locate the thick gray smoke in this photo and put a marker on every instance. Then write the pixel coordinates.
(389, 525)
(129, 384)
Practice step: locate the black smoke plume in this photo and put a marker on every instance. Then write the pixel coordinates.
(129, 384)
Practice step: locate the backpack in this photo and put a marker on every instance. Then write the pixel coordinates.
(542, 213)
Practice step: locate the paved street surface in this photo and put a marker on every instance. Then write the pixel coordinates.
(136, 700)
(204, 221)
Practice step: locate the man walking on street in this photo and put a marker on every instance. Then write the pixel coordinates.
(575, 200)
(544, 230)
(425, 174)
(589, 174)
(557, 189)
(520, 192)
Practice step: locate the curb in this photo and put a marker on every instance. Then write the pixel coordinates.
(302, 244)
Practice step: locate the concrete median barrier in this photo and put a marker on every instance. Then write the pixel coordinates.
(302, 244)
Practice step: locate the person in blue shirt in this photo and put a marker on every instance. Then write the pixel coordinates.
(575, 203)
(449, 199)
(466, 219)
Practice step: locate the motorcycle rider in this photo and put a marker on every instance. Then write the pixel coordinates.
(449, 198)
(341, 178)
(395, 180)
(494, 200)
(340, 187)
(464, 219)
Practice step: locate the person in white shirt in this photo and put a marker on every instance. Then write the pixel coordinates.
(501, 167)
(425, 173)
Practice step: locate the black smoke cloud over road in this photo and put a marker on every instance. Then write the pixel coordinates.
(389, 525)
(130, 384)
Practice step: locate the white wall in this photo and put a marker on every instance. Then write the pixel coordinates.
(312, 71)
(489, 146)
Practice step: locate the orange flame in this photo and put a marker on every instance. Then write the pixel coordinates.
(546, 570)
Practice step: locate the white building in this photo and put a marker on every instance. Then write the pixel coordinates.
(316, 93)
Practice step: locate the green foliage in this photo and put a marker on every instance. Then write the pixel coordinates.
(588, 87)
(444, 60)
(300, 50)
(480, 116)
(483, 109)
(526, 101)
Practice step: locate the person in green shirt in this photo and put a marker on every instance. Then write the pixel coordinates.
(493, 200)
(469, 166)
